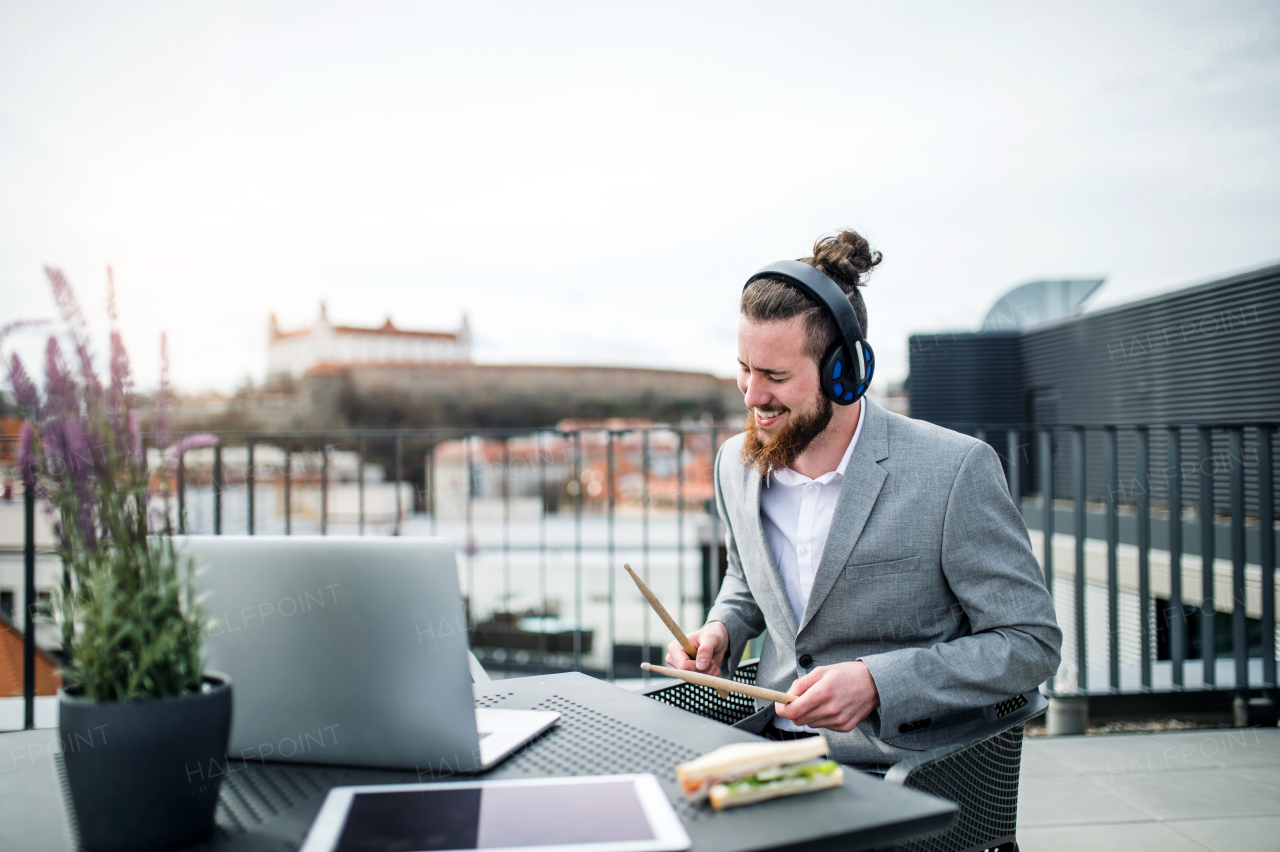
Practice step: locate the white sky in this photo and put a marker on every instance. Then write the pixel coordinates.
(592, 182)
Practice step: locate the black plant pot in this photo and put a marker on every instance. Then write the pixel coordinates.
(144, 775)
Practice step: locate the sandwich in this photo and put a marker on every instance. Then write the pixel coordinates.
(744, 773)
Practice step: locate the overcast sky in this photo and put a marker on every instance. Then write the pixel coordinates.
(593, 182)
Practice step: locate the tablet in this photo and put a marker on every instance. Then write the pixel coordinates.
(597, 813)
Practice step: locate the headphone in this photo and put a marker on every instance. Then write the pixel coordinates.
(848, 365)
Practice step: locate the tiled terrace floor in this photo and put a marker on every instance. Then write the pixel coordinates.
(1192, 790)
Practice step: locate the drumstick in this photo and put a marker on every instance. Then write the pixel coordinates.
(663, 614)
(722, 685)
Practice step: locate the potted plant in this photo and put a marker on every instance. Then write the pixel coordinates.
(143, 728)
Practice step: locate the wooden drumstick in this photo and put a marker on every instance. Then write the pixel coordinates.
(662, 613)
(722, 685)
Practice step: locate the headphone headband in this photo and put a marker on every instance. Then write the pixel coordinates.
(815, 284)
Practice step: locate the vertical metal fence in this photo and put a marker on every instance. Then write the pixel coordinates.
(1141, 502)
(542, 520)
(551, 513)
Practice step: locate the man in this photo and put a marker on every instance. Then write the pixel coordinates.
(883, 555)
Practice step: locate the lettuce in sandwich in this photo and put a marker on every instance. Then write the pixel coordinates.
(744, 773)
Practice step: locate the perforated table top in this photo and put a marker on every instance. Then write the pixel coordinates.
(603, 729)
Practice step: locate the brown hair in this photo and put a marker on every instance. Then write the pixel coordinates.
(846, 259)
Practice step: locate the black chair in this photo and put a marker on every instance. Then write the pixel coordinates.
(978, 771)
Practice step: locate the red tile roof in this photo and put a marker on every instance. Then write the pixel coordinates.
(389, 329)
(48, 674)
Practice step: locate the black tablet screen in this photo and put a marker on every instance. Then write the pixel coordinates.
(493, 818)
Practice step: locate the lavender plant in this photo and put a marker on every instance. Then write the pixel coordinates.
(131, 627)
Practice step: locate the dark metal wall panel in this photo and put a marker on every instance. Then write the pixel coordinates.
(1206, 354)
(967, 378)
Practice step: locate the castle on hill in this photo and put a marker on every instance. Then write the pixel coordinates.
(293, 354)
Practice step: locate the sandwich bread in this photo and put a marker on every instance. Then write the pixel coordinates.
(744, 773)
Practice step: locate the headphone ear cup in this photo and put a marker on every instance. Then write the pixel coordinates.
(839, 376)
(869, 358)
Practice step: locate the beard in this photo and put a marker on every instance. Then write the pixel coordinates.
(768, 456)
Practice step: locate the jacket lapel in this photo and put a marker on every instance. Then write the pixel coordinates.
(863, 479)
(760, 543)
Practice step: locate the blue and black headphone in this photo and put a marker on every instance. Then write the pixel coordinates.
(849, 363)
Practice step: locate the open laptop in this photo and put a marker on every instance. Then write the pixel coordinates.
(348, 650)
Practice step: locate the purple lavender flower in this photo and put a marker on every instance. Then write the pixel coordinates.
(79, 452)
(59, 386)
(69, 306)
(117, 397)
(66, 442)
(24, 390)
(57, 447)
(9, 328)
(120, 377)
(191, 442)
(55, 455)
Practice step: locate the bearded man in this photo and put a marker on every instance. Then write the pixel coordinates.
(883, 556)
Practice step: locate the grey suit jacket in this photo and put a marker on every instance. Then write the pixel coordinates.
(927, 576)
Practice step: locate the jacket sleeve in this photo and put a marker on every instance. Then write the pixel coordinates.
(735, 607)
(1014, 642)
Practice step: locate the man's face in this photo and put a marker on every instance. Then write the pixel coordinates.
(780, 385)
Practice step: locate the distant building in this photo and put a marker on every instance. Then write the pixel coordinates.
(294, 353)
(508, 395)
(341, 377)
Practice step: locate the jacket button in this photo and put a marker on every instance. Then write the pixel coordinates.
(904, 728)
(806, 661)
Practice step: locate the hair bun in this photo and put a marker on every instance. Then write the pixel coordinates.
(845, 258)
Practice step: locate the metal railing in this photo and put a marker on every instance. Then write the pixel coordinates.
(589, 484)
(1137, 492)
(586, 482)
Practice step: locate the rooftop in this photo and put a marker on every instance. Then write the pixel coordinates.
(1191, 790)
(48, 679)
(387, 329)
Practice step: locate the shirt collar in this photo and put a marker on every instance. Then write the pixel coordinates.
(853, 442)
(787, 476)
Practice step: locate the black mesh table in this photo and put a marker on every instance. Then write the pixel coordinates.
(603, 729)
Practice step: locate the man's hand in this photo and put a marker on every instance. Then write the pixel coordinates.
(711, 643)
(834, 697)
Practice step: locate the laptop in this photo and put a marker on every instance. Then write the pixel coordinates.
(348, 650)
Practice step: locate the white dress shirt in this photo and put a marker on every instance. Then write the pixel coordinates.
(796, 512)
